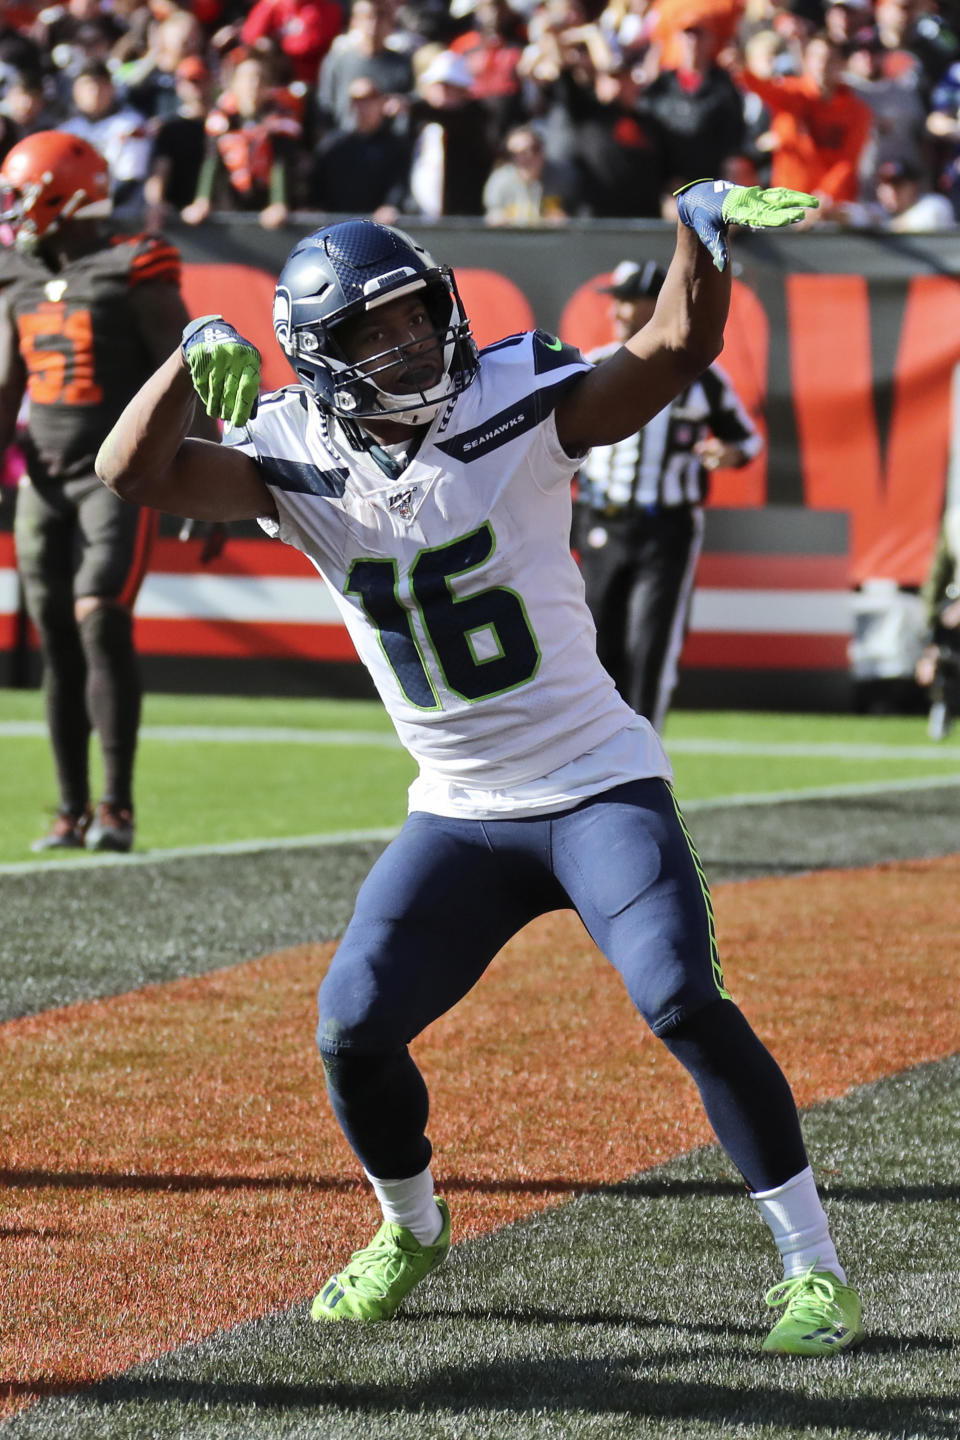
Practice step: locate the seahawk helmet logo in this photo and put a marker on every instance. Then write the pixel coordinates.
(282, 313)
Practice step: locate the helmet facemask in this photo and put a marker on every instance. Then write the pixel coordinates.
(350, 389)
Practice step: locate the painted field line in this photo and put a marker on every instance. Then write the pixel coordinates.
(226, 734)
(283, 735)
(828, 750)
(186, 852)
(359, 837)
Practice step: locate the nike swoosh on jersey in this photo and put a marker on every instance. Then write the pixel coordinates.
(551, 353)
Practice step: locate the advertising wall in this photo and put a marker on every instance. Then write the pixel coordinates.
(842, 345)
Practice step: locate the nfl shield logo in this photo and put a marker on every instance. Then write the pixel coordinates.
(402, 503)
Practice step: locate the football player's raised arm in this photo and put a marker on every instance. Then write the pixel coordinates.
(635, 383)
(147, 458)
(686, 331)
(13, 377)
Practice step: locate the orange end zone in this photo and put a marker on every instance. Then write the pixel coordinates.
(172, 1167)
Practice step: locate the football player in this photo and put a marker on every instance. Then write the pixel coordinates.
(430, 486)
(86, 315)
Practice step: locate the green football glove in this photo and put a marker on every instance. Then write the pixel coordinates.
(224, 368)
(709, 206)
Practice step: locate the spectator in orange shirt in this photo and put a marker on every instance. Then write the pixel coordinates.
(820, 125)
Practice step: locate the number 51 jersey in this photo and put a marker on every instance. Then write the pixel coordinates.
(456, 580)
(81, 344)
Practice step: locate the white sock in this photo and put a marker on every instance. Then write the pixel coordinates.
(410, 1203)
(799, 1225)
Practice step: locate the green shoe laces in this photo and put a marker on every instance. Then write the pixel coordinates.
(808, 1297)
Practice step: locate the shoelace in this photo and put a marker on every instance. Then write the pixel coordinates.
(809, 1294)
(381, 1256)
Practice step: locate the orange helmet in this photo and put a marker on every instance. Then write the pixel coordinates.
(48, 178)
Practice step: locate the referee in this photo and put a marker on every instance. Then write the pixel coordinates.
(638, 519)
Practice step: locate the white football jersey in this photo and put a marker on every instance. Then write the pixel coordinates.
(456, 580)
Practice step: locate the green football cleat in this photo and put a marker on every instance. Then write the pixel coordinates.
(822, 1316)
(379, 1277)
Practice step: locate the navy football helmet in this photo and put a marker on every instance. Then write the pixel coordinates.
(342, 270)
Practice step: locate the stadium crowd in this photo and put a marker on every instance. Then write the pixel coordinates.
(517, 111)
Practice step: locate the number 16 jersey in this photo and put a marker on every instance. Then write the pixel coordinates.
(456, 581)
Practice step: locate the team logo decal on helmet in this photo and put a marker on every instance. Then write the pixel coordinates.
(342, 271)
(48, 178)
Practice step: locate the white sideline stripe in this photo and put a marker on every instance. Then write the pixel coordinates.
(186, 852)
(829, 750)
(305, 600)
(227, 735)
(281, 735)
(267, 598)
(9, 592)
(347, 837)
(773, 612)
(823, 792)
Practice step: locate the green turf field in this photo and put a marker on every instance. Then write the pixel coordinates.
(216, 771)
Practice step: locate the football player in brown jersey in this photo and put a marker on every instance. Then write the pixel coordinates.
(86, 314)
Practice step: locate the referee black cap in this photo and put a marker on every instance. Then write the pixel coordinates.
(631, 281)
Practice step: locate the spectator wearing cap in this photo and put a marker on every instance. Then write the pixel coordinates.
(179, 145)
(252, 139)
(363, 168)
(453, 147)
(365, 49)
(528, 189)
(638, 518)
(116, 129)
(820, 126)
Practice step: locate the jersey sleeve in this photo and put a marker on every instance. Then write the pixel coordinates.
(272, 443)
(239, 437)
(154, 258)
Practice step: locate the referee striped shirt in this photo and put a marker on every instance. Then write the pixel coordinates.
(657, 468)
